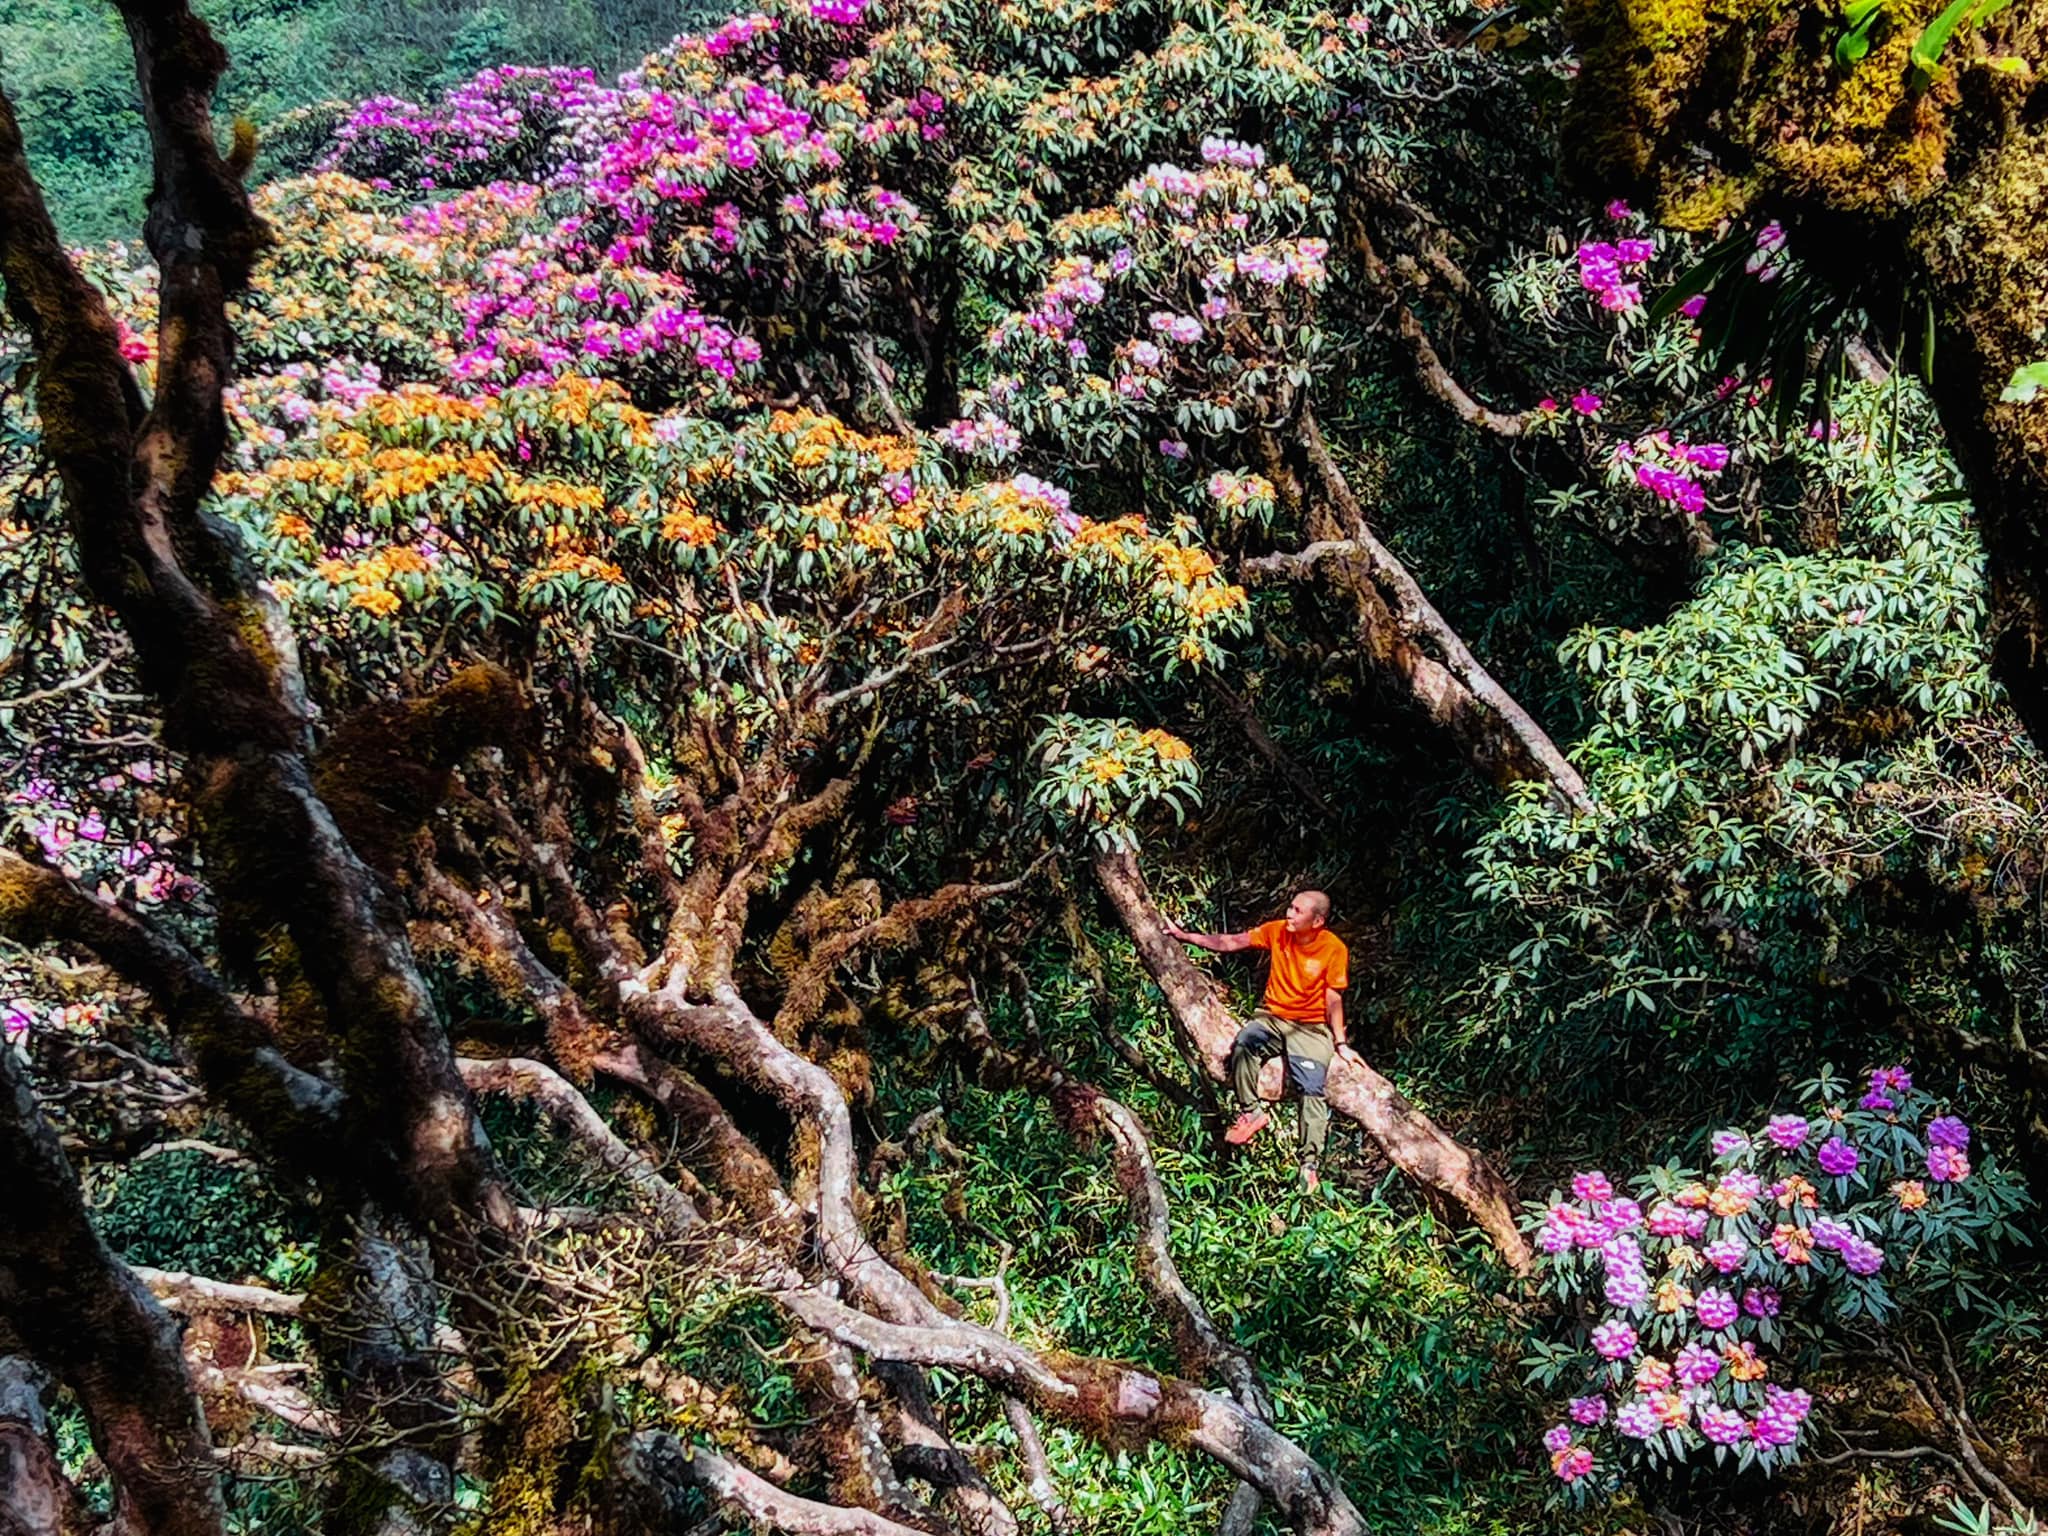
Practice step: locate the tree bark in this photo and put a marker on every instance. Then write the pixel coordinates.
(71, 1305)
(1414, 1142)
(36, 1498)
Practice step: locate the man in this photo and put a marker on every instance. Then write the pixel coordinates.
(1301, 1018)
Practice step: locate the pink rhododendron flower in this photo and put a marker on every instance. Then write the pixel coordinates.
(1947, 1165)
(1614, 1340)
(1716, 1309)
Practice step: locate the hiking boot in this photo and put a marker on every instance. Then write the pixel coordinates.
(1247, 1125)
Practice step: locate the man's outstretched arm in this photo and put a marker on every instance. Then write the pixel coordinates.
(1216, 943)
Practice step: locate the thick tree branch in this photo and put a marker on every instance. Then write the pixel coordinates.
(1122, 1404)
(1403, 632)
(297, 1115)
(658, 1467)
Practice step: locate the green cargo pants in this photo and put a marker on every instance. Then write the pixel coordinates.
(1308, 1049)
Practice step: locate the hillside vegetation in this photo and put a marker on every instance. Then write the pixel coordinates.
(655, 707)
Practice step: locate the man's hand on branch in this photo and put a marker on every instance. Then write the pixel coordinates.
(1349, 1056)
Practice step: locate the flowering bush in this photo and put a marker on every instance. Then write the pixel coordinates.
(1101, 774)
(1706, 1286)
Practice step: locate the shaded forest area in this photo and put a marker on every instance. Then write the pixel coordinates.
(614, 693)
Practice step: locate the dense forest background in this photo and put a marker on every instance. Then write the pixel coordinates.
(621, 629)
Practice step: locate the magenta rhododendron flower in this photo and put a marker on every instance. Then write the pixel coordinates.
(1727, 1254)
(1942, 1131)
(1589, 1410)
(1861, 1257)
(1592, 1186)
(1716, 1309)
(1696, 1365)
(1837, 1157)
(1637, 1419)
(1723, 1426)
(1620, 1215)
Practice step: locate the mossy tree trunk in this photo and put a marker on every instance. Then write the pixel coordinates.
(1913, 192)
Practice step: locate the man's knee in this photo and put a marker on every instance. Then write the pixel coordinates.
(1255, 1036)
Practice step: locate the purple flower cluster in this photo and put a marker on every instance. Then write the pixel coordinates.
(1667, 1219)
(1672, 471)
(79, 840)
(1637, 1419)
(1948, 1131)
(1947, 1165)
(1614, 1340)
(1763, 263)
(1602, 271)
(494, 124)
(1696, 1365)
(985, 436)
(1838, 1158)
(1885, 1082)
(1628, 1281)
(1716, 1309)
(1786, 1132)
(1723, 1426)
(1726, 1254)
(17, 1018)
(737, 34)
(1217, 150)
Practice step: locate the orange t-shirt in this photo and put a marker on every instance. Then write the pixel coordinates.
(1303, 970)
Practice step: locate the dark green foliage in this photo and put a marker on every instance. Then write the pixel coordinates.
(185, 1210)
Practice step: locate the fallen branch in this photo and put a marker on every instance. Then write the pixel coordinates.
(1120, 1404)
(188, 1295)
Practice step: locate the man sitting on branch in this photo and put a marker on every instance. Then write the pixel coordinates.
(1301, 1018)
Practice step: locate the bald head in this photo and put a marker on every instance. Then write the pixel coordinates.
(1307, 912)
